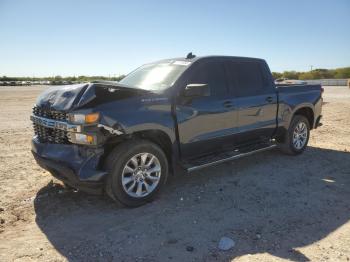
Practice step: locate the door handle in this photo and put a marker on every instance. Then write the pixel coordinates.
(269, 99)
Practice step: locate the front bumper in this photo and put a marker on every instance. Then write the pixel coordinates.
(77, 166)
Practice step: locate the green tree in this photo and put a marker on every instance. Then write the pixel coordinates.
(291, 74)
(342, 72)
(306, 76)
(276, 75)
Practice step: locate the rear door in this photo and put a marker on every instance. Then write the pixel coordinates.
(206, 124)
(255, 98)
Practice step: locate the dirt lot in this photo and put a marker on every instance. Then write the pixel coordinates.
(274, 207)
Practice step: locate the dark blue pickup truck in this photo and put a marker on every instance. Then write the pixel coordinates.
(174, 115)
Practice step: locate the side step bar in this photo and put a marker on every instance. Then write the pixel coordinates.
(236, 156)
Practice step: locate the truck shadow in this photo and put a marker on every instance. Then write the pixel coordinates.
(268, 203)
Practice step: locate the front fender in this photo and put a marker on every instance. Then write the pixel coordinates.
(139, 114)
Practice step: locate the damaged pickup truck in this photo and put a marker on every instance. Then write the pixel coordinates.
(125, 138)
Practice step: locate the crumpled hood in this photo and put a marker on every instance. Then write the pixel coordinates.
(67, 98)
(61, 98)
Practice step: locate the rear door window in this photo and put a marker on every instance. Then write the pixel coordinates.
(246, 78)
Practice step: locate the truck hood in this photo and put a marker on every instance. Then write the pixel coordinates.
(71, 97)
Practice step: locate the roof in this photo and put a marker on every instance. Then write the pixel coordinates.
(209, 57)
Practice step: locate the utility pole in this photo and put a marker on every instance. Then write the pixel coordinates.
(311, 67)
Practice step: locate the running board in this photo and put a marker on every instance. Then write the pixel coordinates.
(236, 155)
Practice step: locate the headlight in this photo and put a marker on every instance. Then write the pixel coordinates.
(78, 138)
(84, 119)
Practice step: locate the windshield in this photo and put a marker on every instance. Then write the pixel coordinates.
(157, 76)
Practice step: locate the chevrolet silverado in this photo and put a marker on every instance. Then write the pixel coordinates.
(183, 114)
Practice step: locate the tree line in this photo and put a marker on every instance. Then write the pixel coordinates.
(337, 73)
(61, 78)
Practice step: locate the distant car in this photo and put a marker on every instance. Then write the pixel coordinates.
(280, 80)
(13, 83)
(57, 82)
(26, 83)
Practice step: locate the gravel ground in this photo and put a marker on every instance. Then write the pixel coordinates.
(274, 207)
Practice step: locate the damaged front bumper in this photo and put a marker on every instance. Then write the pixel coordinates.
(75, 165)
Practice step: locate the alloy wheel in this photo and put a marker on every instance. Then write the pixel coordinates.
(141, 175)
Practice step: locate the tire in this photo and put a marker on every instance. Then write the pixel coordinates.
(121, 166)
(290, 146)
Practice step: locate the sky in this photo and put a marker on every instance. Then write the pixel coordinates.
(70, 38)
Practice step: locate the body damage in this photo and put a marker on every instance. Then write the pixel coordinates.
(123, 111)
(189, 126)
(138, 114)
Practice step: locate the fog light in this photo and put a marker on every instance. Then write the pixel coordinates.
(77, 138)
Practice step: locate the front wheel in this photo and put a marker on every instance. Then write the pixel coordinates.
(297, 136)
(137, 170)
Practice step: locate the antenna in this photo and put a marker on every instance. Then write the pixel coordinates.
(190, 56)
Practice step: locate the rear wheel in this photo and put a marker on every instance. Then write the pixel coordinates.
(297, 136)
(137, 170)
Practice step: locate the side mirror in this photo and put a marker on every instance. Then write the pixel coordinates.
(194, 90)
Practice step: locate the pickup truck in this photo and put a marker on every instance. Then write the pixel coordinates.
(168, 117)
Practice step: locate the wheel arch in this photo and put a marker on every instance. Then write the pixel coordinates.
(156, 136)
(304, 109)
(307, 112)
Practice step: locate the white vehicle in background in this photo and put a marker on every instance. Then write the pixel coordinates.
(286, 81)
(26, 83)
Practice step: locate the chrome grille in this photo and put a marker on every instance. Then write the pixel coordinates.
(51, 114)
(47, 134)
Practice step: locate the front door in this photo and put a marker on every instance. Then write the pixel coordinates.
(206, 124)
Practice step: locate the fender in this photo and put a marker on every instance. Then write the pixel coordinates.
(302, 105)
(292, 99)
